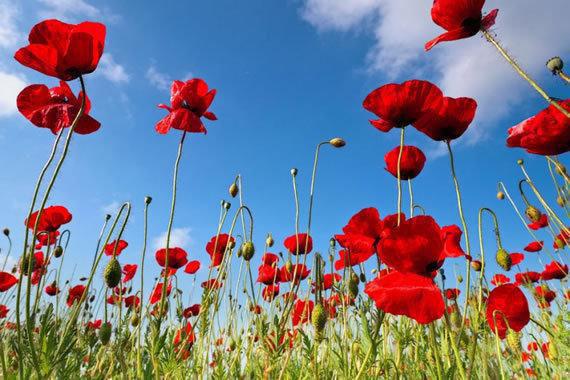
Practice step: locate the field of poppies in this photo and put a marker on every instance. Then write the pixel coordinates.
(298, 313)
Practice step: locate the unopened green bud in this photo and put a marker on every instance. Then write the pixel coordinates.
(319, 320)
(105, 333)
(504, 259)
(233, 190)
(294, 172)
(269, 241)
(500, 195)
(58, 251)
(6, 231)
(533, 214)
(112, 273)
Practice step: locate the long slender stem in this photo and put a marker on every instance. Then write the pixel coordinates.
(399, 174)
(143, 254)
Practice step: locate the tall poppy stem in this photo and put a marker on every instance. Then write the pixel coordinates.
(523, 74)
(170, 222)
(465, 230)
(399, 174)
(411, 198)
(139, 311)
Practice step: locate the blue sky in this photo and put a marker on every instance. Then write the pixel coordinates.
(289, 74)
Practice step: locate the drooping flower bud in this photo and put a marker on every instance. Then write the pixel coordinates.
(337, 142)
(147, 200)
(294, 172)
(504, 259)
(233, 190)
(6, 231)
(58, 251)
(500, 195)
(105, 333)
(112, 273)
(555, 65)
(533, 214)
(269, 241)
(247, 250)
(476, 265)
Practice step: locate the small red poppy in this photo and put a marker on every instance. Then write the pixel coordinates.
(507, 307)
(299, 244)
(217, 246)
(547, 133)
(132, 301)
(7, 281)
(177, 257)
(411, 163)
(460, 18)
(192, 267)
(156, 294)
(500, 279)
(191, 311)
(269, 258)
(95, 325)
(554, 270)
(449, 120)
(52, 289)
(110, 248)
(544, 296)
(55, 108)
(270, 292)
(212, 284)
(452, 241)
(52, 219)
(399, 105)
(525, 278)
(540, 223)
(302, 311)
(184, 336)
(297, 273)
(268, 274)
(452, 294)
(75, 294)
(64, 51)
(189, 102)
(3, 311)
(534, 246)
(129, 271)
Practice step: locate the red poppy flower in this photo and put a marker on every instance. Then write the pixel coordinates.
(411, 164)
(3, 311)
(95, 325)
(299, 244)
(297, 273)
(561, 239)
(554, 270)
(217, 246)
(270, 292)
(157, 292)
(64, 51)
(212, 284)
(7, 281)
(129, 271)
(525, 278)
(132, 302)
(516, 258)
(268, 274)
(399, 105)
(113, 300)
(409, 294)
(46, 239)
(535, 246)
(55, 108)
(177, 257)
(52, 289)
(452, 241)
(269, 258)
(460, 18)
(449, 120)
(302, 311)
(51, 219)
(507, 307)
(452, 294)
(547, 133)
(532, 346)
(544, 348)
(189, 102)
(37, 275)
(415, 246)
(544, 296)
(191, 311)
(121, 245)
(500, 279)
(329, 279)
(192, 267)
(75, 294)
(540, 223)
(185, 336)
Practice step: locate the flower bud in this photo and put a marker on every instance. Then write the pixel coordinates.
(105, 333)
(500, 195)
(147, 200)
(269, 241)
(27, 265)
(294, 172)
(353, 285)
(6, 231)
(561, 201)
(504, 259)
(555, 65)
(58, 251)
(112, 273)
(233, 190)
(337, 142)
(476, 265)
(332, 243)
(289, 266)
(247, 250)
(533, 214)
(319, 320)
(520, 161)
(513, 340)
(460, 279)
(135, 320)
(107, 216)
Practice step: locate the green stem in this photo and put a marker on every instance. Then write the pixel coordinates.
(399, 174)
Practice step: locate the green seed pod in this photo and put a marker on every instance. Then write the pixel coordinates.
(319, 320)
(353, 285)
(233, 190)
(247, 250)
(555, 65)
(112, 273)
(504, 259)
(289, 266)
(533, 214)
(105, 333)
(500, 195)
(58, 251)
(337, 142)
(513, 340)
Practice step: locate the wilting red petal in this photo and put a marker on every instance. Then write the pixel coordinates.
(540, 223)
(452, 241)
(507, 307)
(411, 164)
(409, 294)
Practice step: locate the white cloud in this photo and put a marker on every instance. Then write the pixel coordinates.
(532, 31)
(68, 9)
(111, 208)
(159, 80)
(111, 70)
(179, 237)
(11, 85)
(9, 33)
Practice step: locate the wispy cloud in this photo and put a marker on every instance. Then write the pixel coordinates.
(111, 208)
(158, 79)
(74, 10)
(111, 70)
(179, 237)
(462, 68)
(10, 35)
(11, 85)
